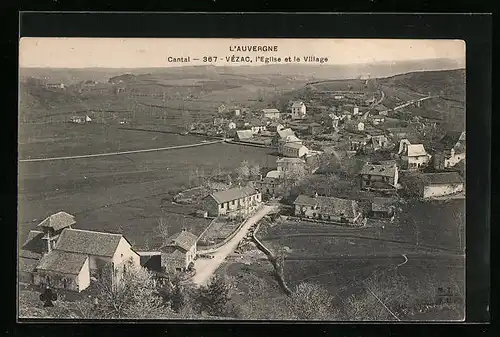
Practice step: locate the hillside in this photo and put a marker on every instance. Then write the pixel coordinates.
(449, 84)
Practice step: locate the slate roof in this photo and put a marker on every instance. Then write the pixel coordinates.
(270, 110)
(34, 243)
(233, 194)
(183, 239)
(441, 178)
(58, 221)
(273, 174)
(88, 242)
(336, 206)
(286, 132)
(296, 104)
(415, 150)
(378, 170)
(305, 200)
(62, 262)
(27, 265)
(244, 134)
(175, 258)
(293, 145)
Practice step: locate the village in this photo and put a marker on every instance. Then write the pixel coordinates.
(307, 137)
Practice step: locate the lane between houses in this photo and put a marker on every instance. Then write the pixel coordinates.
(206, 267)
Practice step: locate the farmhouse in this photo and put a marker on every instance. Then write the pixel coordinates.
(290, 165)
(327, 208)
(431, 185)
(378, 177)
(450, 151)
(413, 156)
(288, 140)
(243, 135)
(281, 134)
(270, 113)
(79, 255)
(237, 200)
(294, 150)
(297, 110)
(382, 208)
(275, 127)
(179, 252)
(257, 126)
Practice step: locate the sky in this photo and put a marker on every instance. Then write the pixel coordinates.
(154, 52)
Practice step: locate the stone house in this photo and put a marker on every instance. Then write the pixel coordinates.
(179, 252)
(327, 208)
(297, 110)
(413, 156)
(431, 185)
(237, 200)
(378, 177)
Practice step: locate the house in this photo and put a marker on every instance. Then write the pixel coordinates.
(327, 208)
(297, 110)
(314, 128)
(413, 156)
(237, 200)
(288, 140)
(55, 85)
(78, 119)
(270, 186)
(79, 255)
(357, 143)
(40, 242)
(231, 125)
(289, 166)
(294, 150)
(378, 177)
(237, 113)
(379, 142)
(150, 260)
(332, 120)
(281, 134)
(243, 135)
(382, 208)
(450, 150)
(270, 113)
(179, 252)
(275, 127)
(377, 119)
(355, 111)
(431, 185)
(354, 126)
(258, 126)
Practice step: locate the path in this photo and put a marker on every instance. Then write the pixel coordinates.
(205, 268)
(122, 152)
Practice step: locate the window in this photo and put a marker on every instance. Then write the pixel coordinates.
(221, 206)
(65, 283)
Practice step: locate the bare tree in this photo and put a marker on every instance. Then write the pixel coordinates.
(310, 301)
(162, 230)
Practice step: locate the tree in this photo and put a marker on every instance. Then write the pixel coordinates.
(243, 170)
(213, 298)
(310, 301)
(255, 170)
(162, 230)
(132, 295)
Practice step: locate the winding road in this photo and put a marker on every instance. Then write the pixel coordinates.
(205, 268)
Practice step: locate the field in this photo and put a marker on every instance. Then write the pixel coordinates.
(343, 259)
(123, 193)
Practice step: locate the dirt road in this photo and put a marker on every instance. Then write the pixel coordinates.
(205, 268)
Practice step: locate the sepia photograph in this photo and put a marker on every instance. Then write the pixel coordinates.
(241, 179)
